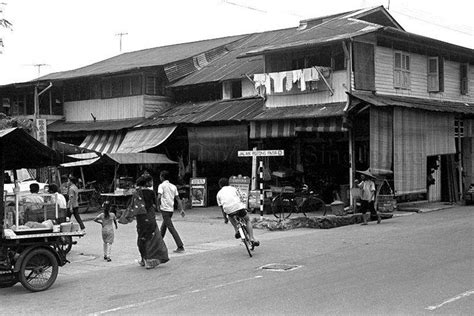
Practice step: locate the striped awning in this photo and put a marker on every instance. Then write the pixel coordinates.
(327, 124)
(140, 140)
(272, 129)
(288, 128)
(103, 141)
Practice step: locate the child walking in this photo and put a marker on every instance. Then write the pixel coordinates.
(107, 220)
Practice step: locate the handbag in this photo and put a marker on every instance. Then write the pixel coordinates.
(138, 204)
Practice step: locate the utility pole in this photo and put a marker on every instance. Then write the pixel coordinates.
(120, 35)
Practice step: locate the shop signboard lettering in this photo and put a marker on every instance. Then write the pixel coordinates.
(41, 135)
(261, 153)
(198, 192)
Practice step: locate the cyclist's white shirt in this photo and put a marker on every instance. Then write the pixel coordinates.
(229, 199)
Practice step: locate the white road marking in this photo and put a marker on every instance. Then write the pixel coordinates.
(238, 281)
(129, 306)
(133, 305)
(458, 297)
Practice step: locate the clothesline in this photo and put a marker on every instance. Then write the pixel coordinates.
(285, 80)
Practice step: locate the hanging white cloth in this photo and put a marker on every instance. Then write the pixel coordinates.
(278, 80)
(289, 80)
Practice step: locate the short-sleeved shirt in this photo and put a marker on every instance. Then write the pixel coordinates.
(73, 196)
(229, 198)
(168, 193)
(367, 190)
(33, 201)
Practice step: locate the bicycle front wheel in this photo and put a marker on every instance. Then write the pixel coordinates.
(282, 207)
(245, 239)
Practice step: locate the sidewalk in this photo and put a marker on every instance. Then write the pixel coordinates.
(422, 207)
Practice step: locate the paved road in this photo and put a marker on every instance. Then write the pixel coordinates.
(418, 264)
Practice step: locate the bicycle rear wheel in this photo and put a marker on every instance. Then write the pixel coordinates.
(283, 207)
(313, 204)
(244, 234)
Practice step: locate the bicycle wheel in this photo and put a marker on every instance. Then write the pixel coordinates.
(283, 207)
(313, 204)
(244, 234)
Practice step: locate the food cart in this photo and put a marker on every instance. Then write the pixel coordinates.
(32, 255)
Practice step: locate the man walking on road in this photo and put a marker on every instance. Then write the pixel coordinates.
(367, 195)
(167, 194)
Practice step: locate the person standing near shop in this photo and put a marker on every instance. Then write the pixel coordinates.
(73, 202)
(367, 196)
(167, 195)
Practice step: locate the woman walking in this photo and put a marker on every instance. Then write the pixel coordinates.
(150, 244)
(107, 220)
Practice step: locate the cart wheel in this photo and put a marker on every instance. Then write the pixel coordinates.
(8, 279)
(65, 243)
(39, 270)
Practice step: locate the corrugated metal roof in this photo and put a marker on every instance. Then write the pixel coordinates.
(330, 31)
(215, 111)
(62, 126)
(302, 111)
(416, 103)
(144, 58)
(229, 66)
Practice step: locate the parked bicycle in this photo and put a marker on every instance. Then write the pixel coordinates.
(244, 234)
(288, 201)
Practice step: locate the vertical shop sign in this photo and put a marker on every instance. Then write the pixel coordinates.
(198, 188)
(243, 185)
(41, 135)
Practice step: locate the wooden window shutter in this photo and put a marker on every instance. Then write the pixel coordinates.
(363, 65)
(464, 79)
(433, 74)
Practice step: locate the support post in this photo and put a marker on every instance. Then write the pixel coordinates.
(261, 188)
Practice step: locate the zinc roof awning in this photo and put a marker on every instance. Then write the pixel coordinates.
(140, 140)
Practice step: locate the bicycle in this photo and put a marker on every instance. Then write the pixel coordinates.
(244, 234)
(288, 201)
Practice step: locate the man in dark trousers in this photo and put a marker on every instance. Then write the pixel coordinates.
(167, 195)
(367, 195)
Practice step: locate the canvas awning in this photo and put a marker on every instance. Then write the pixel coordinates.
(272, 129)
(140, 140)
(103, 141)
(139, 158)
(122, 159)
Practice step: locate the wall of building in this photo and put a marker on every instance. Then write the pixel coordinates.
(105, 109)
(419, 77)
(337, 81)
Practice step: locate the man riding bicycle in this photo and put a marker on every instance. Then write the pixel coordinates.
(229, 200)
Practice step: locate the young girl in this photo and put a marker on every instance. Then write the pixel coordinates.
(107, 220)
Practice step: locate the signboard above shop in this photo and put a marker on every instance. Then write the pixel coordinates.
(261, 153)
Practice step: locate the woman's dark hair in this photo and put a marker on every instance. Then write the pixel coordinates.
(73, 179)
(223, 182)
(53, 188)
(34, 188)
(106, 209)
(143, 180)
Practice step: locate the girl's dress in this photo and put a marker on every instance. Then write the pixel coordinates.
(107, 232)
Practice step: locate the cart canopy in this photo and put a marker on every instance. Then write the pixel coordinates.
(21, 150)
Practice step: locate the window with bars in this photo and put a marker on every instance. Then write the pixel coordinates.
(154, 86)
(401, 70)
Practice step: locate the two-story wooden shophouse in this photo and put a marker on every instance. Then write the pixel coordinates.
(357, 90)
